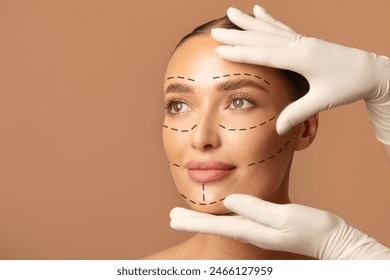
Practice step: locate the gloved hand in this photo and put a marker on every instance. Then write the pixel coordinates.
(283, 227)
(338, 75)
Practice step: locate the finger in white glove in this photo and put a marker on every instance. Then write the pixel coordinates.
(291, 228)
(337, 75)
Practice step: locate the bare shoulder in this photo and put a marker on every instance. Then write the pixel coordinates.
(167, 254)
(178, 252)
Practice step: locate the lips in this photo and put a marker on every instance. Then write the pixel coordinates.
(208, 170)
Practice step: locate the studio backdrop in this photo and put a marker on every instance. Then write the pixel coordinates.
(83, 174)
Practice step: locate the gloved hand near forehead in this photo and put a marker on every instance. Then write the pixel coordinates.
(338, 75)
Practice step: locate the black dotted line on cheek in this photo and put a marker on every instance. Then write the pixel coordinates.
(174, 164)
(247, 128)
(181, 77)
(179, 130)
(244, 74)
(271, 156)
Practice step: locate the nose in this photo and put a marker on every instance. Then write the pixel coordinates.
(206, 135)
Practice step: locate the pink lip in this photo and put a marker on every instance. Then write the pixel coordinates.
(208, 170)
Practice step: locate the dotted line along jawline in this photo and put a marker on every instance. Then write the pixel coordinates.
(242, 74)
(179, 130)
(246, 128)
(203, 203)
(272, 156)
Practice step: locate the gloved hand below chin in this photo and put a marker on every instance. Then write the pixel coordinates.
(338, 75)
(290, 227)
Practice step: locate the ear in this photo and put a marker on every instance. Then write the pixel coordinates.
(307, 133)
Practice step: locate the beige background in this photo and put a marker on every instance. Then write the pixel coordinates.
(83, 174)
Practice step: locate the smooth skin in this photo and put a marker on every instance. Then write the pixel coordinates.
(340, 75)
(235, 101)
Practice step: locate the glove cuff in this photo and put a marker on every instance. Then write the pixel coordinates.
(378, 107)
(350, 243)
(379, 114)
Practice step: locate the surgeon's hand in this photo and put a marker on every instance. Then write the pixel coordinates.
(337, 74)
(283, 227)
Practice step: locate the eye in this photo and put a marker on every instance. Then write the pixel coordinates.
(240, 103)
(176, 107)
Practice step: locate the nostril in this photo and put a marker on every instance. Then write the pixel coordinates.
(207, 146)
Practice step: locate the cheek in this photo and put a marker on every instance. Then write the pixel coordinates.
(263, 158)
(176, 134)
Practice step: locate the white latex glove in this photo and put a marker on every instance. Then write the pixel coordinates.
(283, 227)
(338, 75)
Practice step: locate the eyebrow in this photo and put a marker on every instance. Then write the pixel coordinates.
(242, 83)
(222, 86)
(179, 88)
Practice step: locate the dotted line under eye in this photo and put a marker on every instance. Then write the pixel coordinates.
(179, 130)
(180, 77)
(272, 156)
(243, 74)
(247, 128)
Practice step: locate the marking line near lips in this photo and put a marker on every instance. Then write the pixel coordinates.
(204, 198)
(204, 203)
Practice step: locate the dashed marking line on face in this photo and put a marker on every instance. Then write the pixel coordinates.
(247, 128)
(180, 77)
(243, 74)
(271, 156)
(203, 203)
(203, 194)
(177, 129)
(174, 164)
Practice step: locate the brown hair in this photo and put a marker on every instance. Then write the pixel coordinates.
(297, 83)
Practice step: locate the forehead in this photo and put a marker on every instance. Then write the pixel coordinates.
(196, 59)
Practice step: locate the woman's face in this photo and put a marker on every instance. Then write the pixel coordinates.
(219, 128)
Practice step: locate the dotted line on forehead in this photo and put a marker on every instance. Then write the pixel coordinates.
(242, 74)
(180, 77)
(222, 76)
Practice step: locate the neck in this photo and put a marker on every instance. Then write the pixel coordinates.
(207, 246)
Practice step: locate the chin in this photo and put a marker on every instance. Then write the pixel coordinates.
(211, 209)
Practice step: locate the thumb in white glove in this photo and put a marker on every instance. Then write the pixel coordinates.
(338, 75)
(288, 227)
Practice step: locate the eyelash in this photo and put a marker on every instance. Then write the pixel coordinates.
(169, 102)
(168, 105)
(240, 96)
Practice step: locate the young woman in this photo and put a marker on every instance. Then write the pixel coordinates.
(220, 137)
(338, 76)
